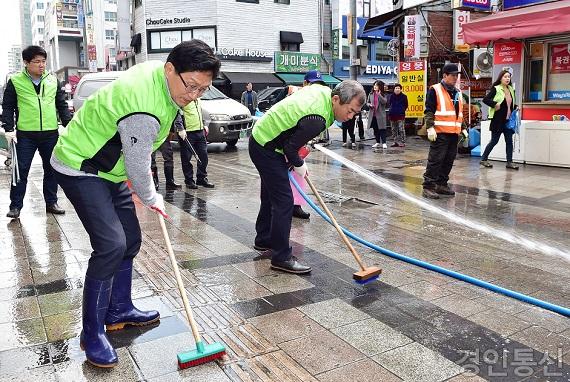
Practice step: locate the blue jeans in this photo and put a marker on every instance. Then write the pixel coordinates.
(495, 136)
(108, 214)
(26, 147)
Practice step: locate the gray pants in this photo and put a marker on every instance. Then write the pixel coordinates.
(399, 131)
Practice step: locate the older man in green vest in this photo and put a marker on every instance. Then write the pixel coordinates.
(110, 140)
(273, 148)
(33, 98)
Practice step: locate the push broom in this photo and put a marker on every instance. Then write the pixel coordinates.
(204, 352)
(366, 274)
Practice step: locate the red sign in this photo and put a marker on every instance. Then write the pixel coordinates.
(507, 53)
(560, 58)
(92, 52)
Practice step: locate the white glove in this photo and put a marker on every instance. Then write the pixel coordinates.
(11, 136)
(183, 134)
(301, 171)
(432, 135)
(465, 133)
(158, 206)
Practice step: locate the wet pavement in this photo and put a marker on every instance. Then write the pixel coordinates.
(411, 325)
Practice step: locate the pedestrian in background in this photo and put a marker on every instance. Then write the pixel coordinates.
(398, 104)
(444, 123)
(168, 159)
(501, 102)
(377, 114)
(348, 128)
(34, 99)
(249, 98)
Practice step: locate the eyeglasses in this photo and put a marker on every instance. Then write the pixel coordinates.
(193, 88)
(38, 62)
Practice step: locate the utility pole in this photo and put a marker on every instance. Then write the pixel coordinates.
(352, 37)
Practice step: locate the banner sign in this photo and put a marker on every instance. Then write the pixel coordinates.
(412, 36)
(460, 18)
(560, 58)
(294, 62)
(413, 77)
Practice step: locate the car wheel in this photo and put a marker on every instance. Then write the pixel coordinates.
(232, 142)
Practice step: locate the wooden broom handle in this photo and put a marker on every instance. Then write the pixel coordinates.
(335, 224)
(189, 315)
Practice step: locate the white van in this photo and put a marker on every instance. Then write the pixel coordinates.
(226, 119)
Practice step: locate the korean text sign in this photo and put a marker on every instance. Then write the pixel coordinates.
(412, 76)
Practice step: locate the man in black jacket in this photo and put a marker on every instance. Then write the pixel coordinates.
(32, 101)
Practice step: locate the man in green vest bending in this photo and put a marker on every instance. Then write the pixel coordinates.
(110, 140)
(273, 148)
(34, 99)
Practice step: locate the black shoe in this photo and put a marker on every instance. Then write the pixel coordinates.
(191, 185)
(173, 186)
(55, 209)
(430, 193)
(512, 166)
(485, 163)
(444, 190)
(290, 266)
(14, 213)
(299, 213)
(395, 144)
(261, 248)
(204, 183)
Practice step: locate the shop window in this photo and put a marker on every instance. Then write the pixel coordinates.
(382, 51)
(290, 47)
(162, 41)
(535, 71)
(282, 1)
(558, 81)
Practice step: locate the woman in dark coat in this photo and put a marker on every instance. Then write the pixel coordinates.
(501, 102)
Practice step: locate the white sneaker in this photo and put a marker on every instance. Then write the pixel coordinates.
(353, 145)
(344, 144)
(384, 146)
(376, 145)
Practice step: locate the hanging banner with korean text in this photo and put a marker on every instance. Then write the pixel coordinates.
(412, 36)
(460, 18)
(412, 76)
(560, 58)
(294, 62)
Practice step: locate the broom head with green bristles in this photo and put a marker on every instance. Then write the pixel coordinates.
(204, 353)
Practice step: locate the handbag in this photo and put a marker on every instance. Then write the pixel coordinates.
(514, 122)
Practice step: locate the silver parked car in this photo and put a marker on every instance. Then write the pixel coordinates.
(226, 119)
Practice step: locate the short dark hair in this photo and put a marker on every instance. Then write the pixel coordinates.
(398, 86)
(194, 56)
(32, 51)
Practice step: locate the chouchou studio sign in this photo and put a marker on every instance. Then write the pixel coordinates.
(245, 54)
(168, 21)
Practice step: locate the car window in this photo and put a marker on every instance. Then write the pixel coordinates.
(213, 93)
(91, 86)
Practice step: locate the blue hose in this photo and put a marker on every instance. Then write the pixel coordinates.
(459, 276)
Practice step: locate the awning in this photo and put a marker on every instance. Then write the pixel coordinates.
(291, 37)
(254, 78)
(371, 80)
(298, 78)
(384, 20)
(538, 20)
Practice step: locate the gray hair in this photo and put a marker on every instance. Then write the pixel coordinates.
(349, 89)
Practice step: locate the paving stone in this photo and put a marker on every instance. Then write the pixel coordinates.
(414, 362)
(333, 313)
(285, 325)
(500, 322)
(55, 303)
(16, 361)
(209, 372)
(283, 283)
(460, 305)
(543, 340)
(72, 371)
(20, 278)
(257, 268)
(425, 290)
(19, 309)
(239, 290)
(503, 303)
(241, 342)
(222, 275)
(466, 377)
(321, 351)
(44, 374)
(360, 371)
(214, 317)
(63, 325)
(371, 336)
(545, 319)
(22, 333)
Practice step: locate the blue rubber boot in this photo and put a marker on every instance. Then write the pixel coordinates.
(121, 310)
(93, 340)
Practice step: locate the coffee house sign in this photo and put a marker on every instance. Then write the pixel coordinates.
(245, 54)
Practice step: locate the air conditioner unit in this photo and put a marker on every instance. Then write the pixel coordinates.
(482, 63)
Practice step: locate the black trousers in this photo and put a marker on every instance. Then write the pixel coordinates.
(198, 141)
(108, 214)
(348, 128)
(273, 225)
(167, 155)
(495, 135)
(441, 156)
(379, 134)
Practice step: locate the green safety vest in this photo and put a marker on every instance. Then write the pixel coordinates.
(193, 116)
(36, 112)
(91, 141)
(500, 97)
(283, 116)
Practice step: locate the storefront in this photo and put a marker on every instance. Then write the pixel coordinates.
(385, 71)
(291, 67)
(534, 44)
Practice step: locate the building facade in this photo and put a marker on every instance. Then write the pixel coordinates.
(100, 34)
(63, 34)
(25, 22)
(270, 36)
(15, 59)
(37, 15)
